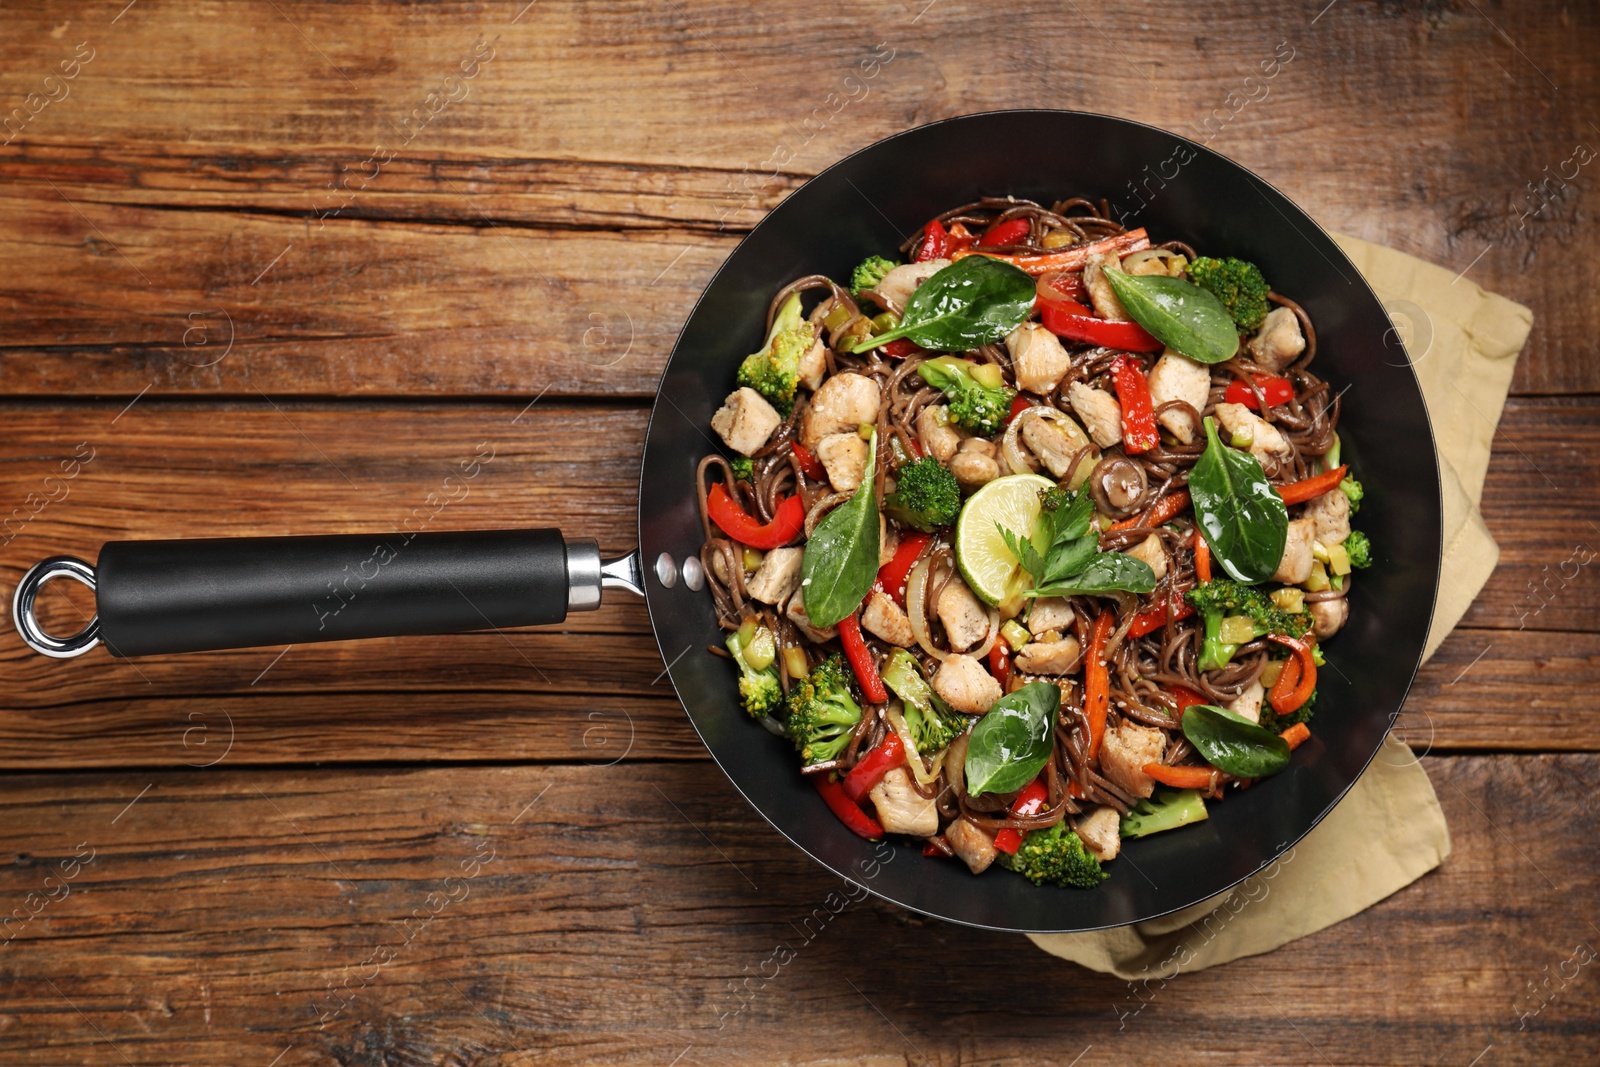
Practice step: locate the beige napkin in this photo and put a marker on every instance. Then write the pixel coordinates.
(1463, 343)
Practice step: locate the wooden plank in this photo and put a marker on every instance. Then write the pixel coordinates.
(567, 915)
(582, 119)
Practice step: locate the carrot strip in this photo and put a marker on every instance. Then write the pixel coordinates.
(1183, 777)
(1303, 490)
(1037, 263)
(1202, 557)
(1298, 679)
(1165, 511)
(1296, 735)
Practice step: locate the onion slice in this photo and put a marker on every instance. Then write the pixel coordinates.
(1021, 462)
(993, 635)
(916, 594)
(913, 757)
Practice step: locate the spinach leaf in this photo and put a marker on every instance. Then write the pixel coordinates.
(1233, 743)
(1011, 743)
(974, 301)
(1244, 520)
(1107, 572)
(1179, 314)
(841, 556)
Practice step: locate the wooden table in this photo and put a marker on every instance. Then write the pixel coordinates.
(278, 267)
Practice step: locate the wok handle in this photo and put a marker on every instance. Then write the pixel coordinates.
(157, 597)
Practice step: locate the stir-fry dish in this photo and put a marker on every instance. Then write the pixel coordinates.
(1029, 544)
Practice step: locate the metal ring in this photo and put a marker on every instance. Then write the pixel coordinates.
(28, 592)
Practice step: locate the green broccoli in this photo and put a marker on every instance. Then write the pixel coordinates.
(774, 372)
(1239, 285)
(925, 495)
(975, 404)
(744, 467)
(822, 711)
(1166, 810)
(1359, 549)
(1055, 856)
(1279, 723)
(1224, 599)
(932, 722)
(870, 272)
(755, 651)
(1352, 489)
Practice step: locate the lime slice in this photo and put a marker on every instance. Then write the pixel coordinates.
(986, 563)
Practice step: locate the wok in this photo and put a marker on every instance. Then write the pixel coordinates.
(176, 596)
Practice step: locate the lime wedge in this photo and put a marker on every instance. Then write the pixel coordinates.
(986, 563)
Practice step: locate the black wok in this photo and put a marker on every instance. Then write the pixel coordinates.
(172, 596)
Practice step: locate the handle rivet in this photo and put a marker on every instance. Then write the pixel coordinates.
(666, 571)
(694, 577)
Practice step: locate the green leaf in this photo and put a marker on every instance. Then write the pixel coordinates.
(1232, 743)
(1068, 558)
(841, 557)
(974, 301)
(1107, 572)
(1181, 315)
(1244, 520)
(1012, 742)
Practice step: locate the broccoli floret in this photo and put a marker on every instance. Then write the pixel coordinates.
(1279, 723)
(755, 651)
(774, 372)
(870, 272)
(743, 467)
(1220, 599)
(1166, 810)
(823, 711)
(1055, 856)
(1359, 549)
(925, 495)
(932, 722)
(1239, 285)
(973, 406)
(1352, 489)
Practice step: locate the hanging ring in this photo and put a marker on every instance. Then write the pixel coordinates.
(28, 591)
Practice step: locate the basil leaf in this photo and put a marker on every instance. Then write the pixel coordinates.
(974, 301)
(1179, 314)
(1233, 743)
(1011, 743)
(841, 556)
(1243, 518)
(1107, 572)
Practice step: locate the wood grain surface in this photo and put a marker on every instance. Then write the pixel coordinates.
(275, 268)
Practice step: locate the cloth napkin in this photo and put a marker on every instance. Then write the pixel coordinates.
(1463, 343)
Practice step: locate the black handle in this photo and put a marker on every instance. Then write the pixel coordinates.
(190, 596)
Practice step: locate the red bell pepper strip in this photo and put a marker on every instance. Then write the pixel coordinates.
(1138, 416)
(787, 521)
(846, 809)
(1202, 557)
(1303, 490)
(960, 238)
(1097, 680)
(1077, 323)
(1019, 404)
(1008, 232)
(1183, 777)
(1164, 511)
(1063, 287)
(1032, 800)
(1008, 841)
(1184, 697)
(1037, 263)
(1148, 622)
(935, 243)
(809, 463)
(1298, 678)
(1000, 662)
(900, 348)
(1277, 391)
(871, 768)
(1296, 735)
(931, 850)
(892, 575)
(860, 657)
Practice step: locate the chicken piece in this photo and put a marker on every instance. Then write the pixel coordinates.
(1295, 566)
(1100, 412)
(938, 438)
(745, 420)
(1248, 702)
(965, 685)
(844, 402)
(975, 464)
(813, 365)
(1048, 657)
(902, 281)
(883, 617)
(1124, 752)
(1151, 552)
(971, 845)
(1051, 613)
(1327, 616)
(888, 541)
(1055, 448)
(1266, 443)
(901, 809)
(796, 613)
(844, 457)
(1101, 831)
(1037, 358)
(1101, 295)
(1176, 377)
(1330, 515)
(966, 622)
(777, 577)
(1279, 341)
